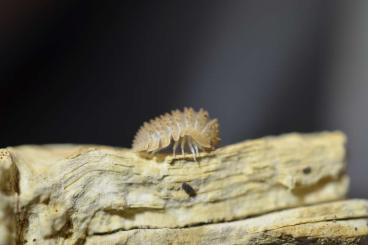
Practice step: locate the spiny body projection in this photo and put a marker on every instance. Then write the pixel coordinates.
(185, 128)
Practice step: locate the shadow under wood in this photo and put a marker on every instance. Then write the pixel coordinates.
(130, 213)
(9, 180)
(301, 191)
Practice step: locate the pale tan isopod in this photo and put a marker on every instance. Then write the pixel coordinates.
(185, 128)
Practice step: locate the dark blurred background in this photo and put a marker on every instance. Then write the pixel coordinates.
(93, 71)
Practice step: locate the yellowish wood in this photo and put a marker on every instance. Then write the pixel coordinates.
(75, 193)
(340, 222)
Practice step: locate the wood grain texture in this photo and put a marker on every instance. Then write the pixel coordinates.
(341, 222)
(70, 194)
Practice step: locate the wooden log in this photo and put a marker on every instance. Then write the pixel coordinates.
(68, 194)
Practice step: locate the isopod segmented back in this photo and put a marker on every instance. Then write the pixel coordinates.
(187, 128)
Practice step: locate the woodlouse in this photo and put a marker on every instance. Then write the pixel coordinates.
(188, 128)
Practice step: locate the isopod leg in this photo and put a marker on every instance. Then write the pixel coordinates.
(182, 146)
(196, 149)
(174, 148)
(192, 149)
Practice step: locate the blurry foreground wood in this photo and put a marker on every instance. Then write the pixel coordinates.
(273, 190)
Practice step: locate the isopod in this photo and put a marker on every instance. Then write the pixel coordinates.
(185, 128)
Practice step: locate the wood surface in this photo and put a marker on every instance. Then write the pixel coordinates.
(287, 188)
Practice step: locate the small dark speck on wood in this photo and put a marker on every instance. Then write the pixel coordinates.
(307, 170)
(188, 189)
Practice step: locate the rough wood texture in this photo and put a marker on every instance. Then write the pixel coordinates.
(72, 194)
(342, 222)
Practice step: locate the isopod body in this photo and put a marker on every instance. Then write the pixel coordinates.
(187, 128)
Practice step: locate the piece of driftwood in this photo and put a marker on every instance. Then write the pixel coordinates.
(71, 194)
